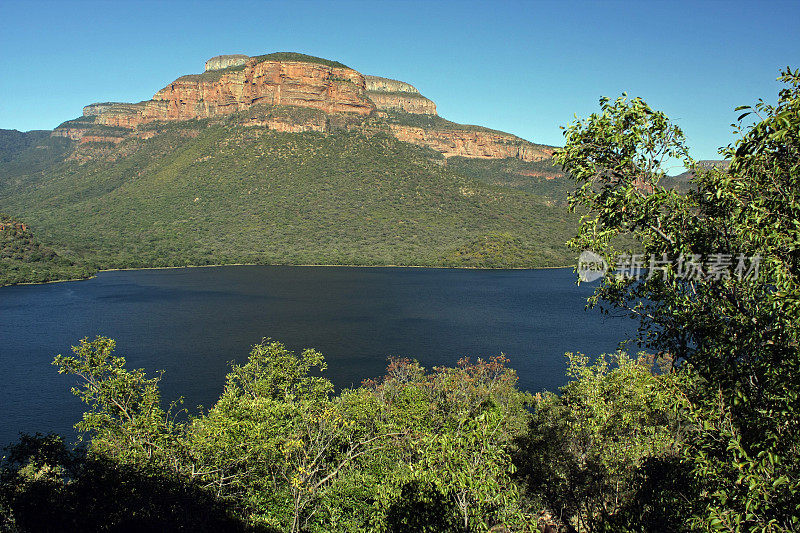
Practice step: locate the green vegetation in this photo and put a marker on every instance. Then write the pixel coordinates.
(415, 450)
(497, 250)
(436, 122)
(735, 338)
(295, 114)
(211, 75)
(30, 153)
(542, 178)
(450, 450)
(25, 259)
(214, 192)
(604, 454)
(46, 486)
(80, 122)
(303, 58)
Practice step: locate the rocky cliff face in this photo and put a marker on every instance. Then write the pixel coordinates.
(387, 85)
(226, 61)
(76, 128)
(328, 90)
(92, 110)
(393, 95)
(406, 102)
(472, 143)
(232, 89)
(70, 133)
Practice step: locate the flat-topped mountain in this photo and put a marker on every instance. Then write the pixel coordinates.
(234, 83)
(284, 159)
(225, 61)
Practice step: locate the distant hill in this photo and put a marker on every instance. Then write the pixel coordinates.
(681, 181)
(287, 159)
(31, 152)
(24, 259)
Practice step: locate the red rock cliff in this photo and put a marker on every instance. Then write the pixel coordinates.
(221, 92)
(480, 144)
(393, 95)
(336, 94)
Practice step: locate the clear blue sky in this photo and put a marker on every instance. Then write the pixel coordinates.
(521, 67)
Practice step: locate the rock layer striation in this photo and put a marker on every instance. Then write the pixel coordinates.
(394, 95)
(329, 91)
(472, 143)
(232, 89)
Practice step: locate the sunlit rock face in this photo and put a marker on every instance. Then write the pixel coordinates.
(316, 95)
(394, 95)
(225, 61)
(472, 144)
(386, 85)
(224, 91)
(92, 110)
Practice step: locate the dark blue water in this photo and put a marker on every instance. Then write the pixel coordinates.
(192, 322)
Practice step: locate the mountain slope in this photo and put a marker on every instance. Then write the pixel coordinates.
(30, 152)
(226, 193)
(24, 259)
(542, 178)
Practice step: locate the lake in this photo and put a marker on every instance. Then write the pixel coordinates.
(192, 322)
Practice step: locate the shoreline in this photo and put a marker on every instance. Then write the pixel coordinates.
(280, 265)
(313, 265)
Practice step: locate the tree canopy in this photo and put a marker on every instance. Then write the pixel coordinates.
(730, 326)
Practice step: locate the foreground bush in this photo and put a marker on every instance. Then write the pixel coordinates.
(592, 452)
(415, 450)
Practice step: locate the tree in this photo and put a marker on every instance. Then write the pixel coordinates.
(456, 458)
(586, 447)
(278, 439)
(472, 467)
(125, 421)
(45, 486)
(735, 335)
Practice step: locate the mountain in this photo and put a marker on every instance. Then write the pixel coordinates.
(290, 159)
